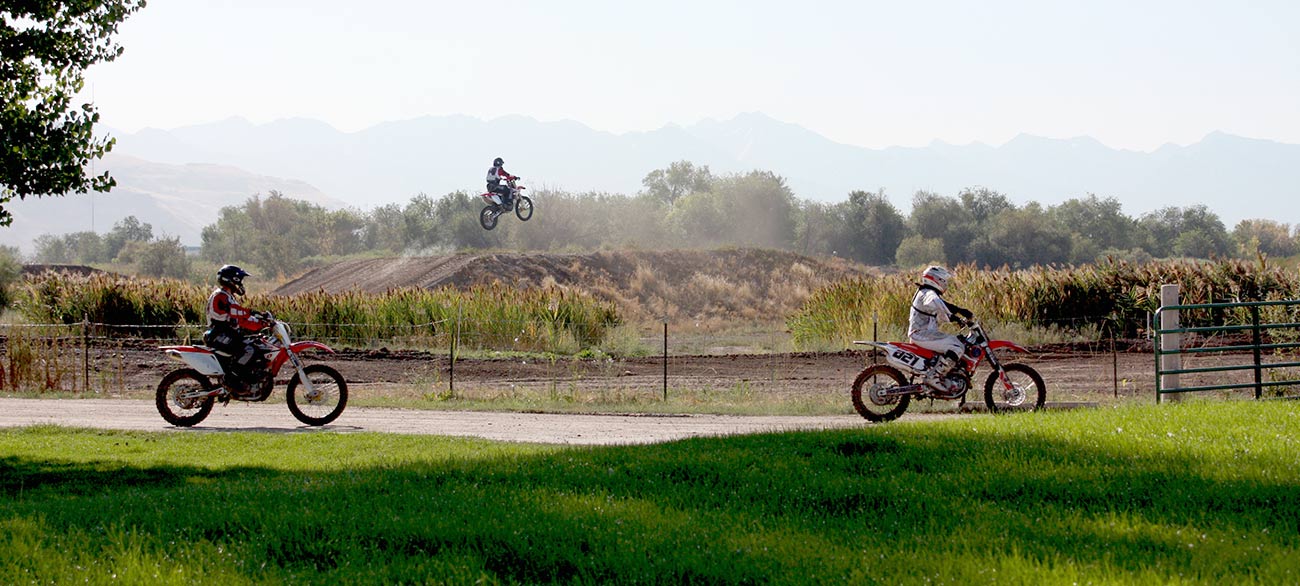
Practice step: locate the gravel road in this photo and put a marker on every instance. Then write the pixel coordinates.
(128, 414)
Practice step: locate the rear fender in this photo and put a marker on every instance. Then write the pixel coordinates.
(199, 358)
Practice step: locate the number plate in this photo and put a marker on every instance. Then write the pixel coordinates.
(907, 359)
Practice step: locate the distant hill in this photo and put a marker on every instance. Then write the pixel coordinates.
(1236, 177)
(176, 199)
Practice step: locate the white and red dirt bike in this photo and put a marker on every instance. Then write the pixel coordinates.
(522, 204)
(882, 392)
(316, 394)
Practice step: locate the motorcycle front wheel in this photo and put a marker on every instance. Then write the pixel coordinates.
(1027, 392)
(326, 401)
(524, 208)
(180, 397)
(488, 217)
(868, 391)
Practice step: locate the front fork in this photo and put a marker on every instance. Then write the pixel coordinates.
(312, 393)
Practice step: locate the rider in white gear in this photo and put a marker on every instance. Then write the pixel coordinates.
(929, 310)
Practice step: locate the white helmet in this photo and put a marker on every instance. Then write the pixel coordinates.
(937, 277)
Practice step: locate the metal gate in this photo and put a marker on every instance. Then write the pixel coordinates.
(1263, 337)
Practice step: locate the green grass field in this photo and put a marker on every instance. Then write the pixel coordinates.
(1194, 493)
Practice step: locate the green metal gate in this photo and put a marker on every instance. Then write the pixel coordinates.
(1258, 330)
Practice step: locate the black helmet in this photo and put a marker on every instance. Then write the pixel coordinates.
(233, 277)
(497, 162)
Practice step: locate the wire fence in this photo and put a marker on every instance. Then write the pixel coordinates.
(684, 360)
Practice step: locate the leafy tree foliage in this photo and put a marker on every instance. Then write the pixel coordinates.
(874, 226)
(1192, 231)
(1024, 237)
(945, 219)
(1096, 224)
(677, 180)
(1264, 236)
(11, 271)
(917, 250)
(165, 257)
(45, 48)
(277, 234)
(89, 247)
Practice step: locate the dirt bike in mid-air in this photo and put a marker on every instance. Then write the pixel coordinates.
(521, 203)
(882, 392)
(316, 394)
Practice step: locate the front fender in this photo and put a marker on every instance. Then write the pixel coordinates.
(300, 347)
(1007, 345)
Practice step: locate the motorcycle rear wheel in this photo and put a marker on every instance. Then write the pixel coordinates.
(1028, 392)
(176, 409)
(524, 208)
(488, 217)
(331, 395)
(866, 394)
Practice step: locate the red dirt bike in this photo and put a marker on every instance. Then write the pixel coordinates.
(521, 203)
(882, 392)
(316, 394)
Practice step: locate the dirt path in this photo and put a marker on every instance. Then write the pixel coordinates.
(130, 414)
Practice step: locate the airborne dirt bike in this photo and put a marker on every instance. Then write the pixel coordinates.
(882, 392)
(521, 203)
(316, 394)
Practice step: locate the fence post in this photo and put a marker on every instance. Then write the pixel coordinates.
(451, 354)
(1168, 320)
(665, 360)
(85, 353)
(875, 333)
(1114, 356)
(1255, 340)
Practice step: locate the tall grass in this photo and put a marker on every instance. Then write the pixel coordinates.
(486, 315)
(1116, 295)
(1196, 493)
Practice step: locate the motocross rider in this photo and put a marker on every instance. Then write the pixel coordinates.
(494, 184)
(229, 324)
(929, 309)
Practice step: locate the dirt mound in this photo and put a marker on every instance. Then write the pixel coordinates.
(36, 269)
(676, 284)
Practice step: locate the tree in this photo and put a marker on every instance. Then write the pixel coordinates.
(159, 258)
(1267, 236)
(1024, 237)
(45, 48)
(1096, 224)
(276, 234)
(983, 203)
(1164, 226)
(51, 249)
(946, 219)
(917, 250)
(679, 179)
(11, 272)
(128, 229)
(875, 228)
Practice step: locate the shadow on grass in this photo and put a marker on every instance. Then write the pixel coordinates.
(920, 502)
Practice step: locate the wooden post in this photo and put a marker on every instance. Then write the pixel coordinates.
(1169, 320)
(85, 353)
(665, 360)
(451, 354)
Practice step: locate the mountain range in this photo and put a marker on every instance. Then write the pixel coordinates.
(1236, 177)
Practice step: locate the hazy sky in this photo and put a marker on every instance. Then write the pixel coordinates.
(1132, 74)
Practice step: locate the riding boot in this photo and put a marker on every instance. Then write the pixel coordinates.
(935, 375)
